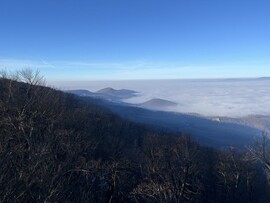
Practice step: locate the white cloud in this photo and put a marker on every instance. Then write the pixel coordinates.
(232, 98)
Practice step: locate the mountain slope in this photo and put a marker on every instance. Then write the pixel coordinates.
(206, 131)
(50, 142)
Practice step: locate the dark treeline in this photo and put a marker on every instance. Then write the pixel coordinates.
(57, 148)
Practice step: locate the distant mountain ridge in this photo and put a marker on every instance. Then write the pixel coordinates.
(121, 93)
(114, 95)
(264, 78)
(81, 92)
(157, 103)
(106, 90)
(107, 94)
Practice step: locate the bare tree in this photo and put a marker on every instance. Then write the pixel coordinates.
(171, 171)
(31, 77)
(261, 152)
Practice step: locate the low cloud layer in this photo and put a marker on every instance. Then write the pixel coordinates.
(232, 98)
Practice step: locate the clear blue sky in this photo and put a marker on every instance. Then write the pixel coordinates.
(136, 39)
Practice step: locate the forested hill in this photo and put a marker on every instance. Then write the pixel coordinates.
(57, 148)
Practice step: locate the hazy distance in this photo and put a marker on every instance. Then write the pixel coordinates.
(208, 97)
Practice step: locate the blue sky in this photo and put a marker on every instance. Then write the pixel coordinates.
(136, 39)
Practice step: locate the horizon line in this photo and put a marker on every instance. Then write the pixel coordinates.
(204, 78)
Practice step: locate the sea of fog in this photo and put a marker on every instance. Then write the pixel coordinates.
(208, 97)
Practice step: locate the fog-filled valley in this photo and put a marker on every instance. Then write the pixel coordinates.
(238, 101)
(208, 97)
